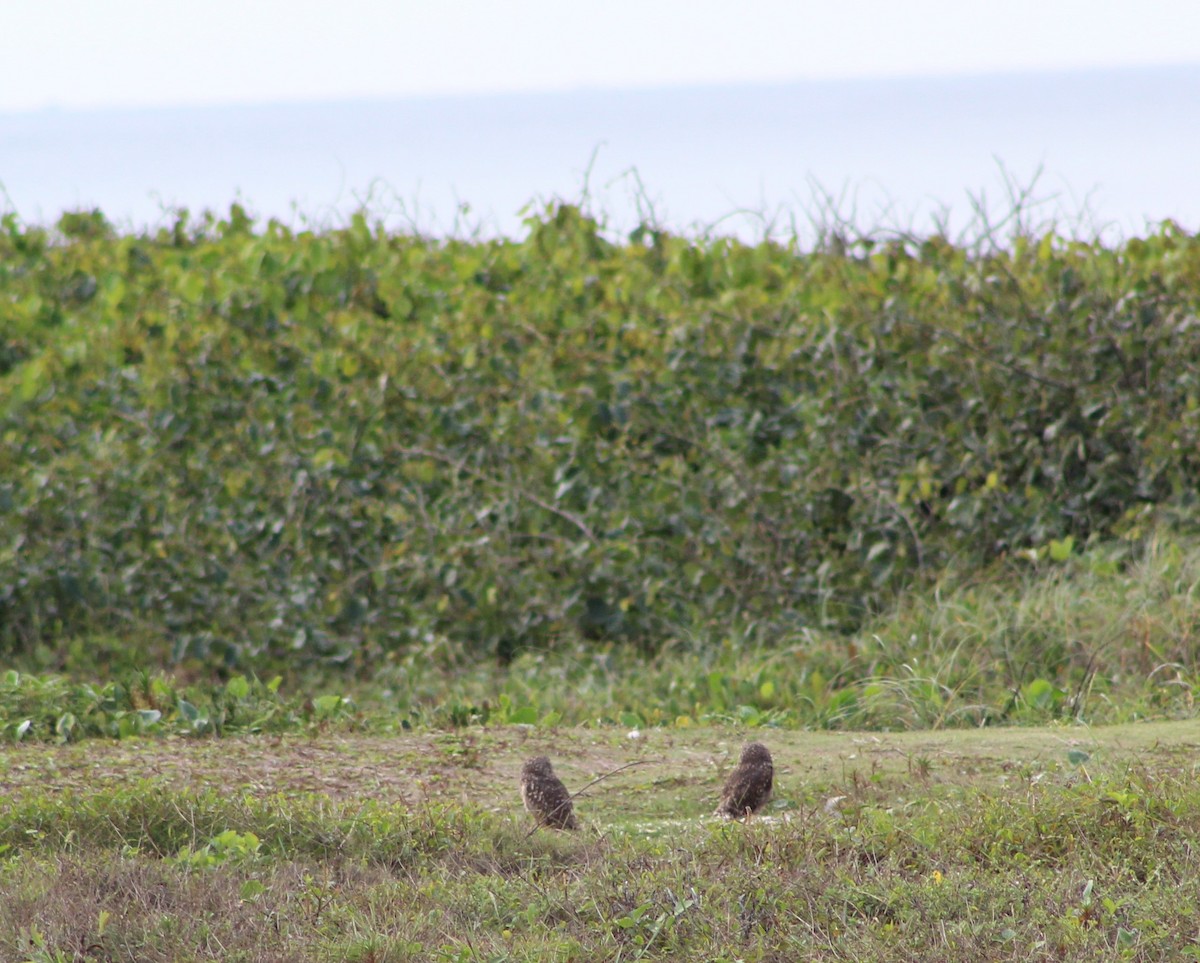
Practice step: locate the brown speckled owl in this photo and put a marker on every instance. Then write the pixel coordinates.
(749, 785)
(544, 795)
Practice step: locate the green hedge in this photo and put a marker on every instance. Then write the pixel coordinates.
(252, 445)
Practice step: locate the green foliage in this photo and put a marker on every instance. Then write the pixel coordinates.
(223, 847)
(51, 708)
(236, 446)
(1108, 635)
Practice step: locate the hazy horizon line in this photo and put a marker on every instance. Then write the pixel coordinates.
(615, 89)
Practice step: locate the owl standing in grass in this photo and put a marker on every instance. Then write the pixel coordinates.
(749, 785)
(544, 795)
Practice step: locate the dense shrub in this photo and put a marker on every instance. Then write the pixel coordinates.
(247, 444)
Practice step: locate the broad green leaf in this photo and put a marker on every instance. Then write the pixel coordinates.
(251, 890)
(524, 716)
(1040, 693)
(65, 724)
(193, 285)
(32, 379)
(1060, 551)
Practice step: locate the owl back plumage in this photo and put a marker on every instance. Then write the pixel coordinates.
(544, 795)
(748, 787)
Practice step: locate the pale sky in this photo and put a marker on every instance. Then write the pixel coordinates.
(132, 53)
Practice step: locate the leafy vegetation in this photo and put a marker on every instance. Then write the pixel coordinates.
(51, 708)
(234, 447)
(1097, 638)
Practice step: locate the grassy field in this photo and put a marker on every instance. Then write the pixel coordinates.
(1063, 843)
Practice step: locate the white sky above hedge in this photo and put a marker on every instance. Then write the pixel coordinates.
(126, 53)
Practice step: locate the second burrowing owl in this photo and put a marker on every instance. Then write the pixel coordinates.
(749, 785)
(544, 795)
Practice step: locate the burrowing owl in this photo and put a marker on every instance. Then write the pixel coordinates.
(545, 796)
(749, 785)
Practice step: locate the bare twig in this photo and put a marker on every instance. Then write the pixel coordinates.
(612, 772)
(989, 357)
(460, 465)
(601, 778)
